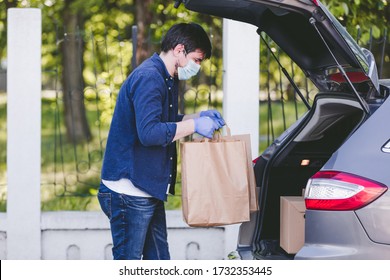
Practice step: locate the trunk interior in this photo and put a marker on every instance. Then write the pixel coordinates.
(328, 124)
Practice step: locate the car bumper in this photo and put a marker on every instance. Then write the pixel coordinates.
(338, 235)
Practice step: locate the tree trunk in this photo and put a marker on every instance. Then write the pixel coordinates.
(144, 17)
(76, 123)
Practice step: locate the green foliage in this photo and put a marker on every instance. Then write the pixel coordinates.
(69, 203)
(362, 14)
(69, 174)
(3, 153)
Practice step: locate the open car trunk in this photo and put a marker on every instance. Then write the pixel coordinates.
(294, 159)
(346, 80)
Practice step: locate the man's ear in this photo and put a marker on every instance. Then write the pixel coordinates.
(178, 49)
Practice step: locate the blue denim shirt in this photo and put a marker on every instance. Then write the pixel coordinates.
(139, 145)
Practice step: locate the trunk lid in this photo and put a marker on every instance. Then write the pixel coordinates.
(307, 32)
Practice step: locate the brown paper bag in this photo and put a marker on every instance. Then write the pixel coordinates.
(215, 186)
(253, 195)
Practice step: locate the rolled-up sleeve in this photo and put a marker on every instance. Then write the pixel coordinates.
(148, 93)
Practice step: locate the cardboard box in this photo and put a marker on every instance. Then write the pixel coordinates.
(292, 223)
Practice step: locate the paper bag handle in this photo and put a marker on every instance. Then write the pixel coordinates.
(218, 134)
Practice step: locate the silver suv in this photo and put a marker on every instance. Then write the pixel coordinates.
(337, 154)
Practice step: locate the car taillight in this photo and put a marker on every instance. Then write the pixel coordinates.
(315, 2)
(333, 190)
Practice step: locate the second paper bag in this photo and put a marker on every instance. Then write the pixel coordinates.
(214, 183)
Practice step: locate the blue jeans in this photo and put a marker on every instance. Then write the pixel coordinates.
(138, 225)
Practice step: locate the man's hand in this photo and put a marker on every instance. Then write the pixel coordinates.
(215, 115)
(206, 126)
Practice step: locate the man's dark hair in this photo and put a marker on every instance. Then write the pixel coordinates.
(191, 35)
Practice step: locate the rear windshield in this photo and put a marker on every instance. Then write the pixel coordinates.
(350, 41)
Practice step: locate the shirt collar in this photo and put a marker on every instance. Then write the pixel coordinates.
(161, 67)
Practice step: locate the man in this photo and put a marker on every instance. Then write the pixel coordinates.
(139, 167)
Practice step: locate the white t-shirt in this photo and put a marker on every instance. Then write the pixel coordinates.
(125, 186)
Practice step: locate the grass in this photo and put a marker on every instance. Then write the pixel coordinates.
(70, 174)
(275, 118)
(3, 152)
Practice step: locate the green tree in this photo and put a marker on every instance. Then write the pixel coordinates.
(63, 29)
(4, 6)
(366, 20)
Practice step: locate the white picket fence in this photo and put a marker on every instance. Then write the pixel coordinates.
(74, 235)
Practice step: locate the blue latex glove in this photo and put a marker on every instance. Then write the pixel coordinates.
(214, 114)
(206, 126)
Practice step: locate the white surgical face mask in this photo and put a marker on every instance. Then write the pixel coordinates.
(188, 71)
